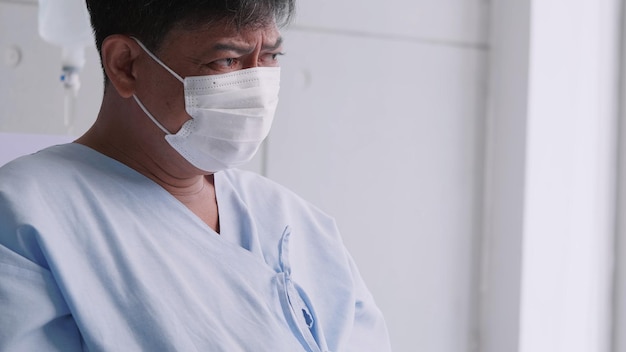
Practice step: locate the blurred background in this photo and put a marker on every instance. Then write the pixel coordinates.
(470, 150)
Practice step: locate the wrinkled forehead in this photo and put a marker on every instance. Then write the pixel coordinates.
(229, 22)
(208, 34)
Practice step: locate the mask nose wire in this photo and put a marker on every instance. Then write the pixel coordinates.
(158, 60)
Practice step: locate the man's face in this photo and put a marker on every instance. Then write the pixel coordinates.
(220, 49)
(203, 51)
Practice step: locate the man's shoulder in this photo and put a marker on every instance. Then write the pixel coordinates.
(245, 178)
(45, 163)
(259, 191)
(53, 167)
(251, 184)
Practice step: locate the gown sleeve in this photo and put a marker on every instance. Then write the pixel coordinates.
(34, 314)
(369, 332)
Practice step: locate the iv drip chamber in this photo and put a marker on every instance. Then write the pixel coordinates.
(65, 23)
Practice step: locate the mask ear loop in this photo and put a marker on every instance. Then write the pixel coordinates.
(165, 67)
(158, 60)
(150, 115)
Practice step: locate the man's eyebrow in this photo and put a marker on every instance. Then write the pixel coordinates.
(239, 49)
(276, 45)
(242, 49)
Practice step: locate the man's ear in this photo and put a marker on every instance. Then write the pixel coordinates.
(119, 54)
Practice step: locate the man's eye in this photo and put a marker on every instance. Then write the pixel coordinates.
(226, 63)
(270, 59)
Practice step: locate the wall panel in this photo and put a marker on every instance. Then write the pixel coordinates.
(386, 135)
(447, 21)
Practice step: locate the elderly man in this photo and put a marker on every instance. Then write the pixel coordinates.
(141, 235)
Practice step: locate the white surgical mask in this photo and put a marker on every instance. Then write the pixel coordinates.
(231, 114)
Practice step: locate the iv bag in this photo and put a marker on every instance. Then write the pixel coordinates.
(66, 23)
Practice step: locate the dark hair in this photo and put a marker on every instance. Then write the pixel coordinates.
(151, 20)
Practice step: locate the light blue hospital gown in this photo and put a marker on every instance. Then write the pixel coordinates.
(95, 256)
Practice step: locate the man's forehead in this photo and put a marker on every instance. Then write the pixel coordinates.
(215, 34)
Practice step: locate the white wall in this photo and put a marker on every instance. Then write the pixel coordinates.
(619, 289)
(381, 124)
(550, 212)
